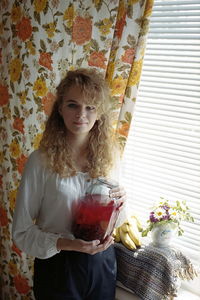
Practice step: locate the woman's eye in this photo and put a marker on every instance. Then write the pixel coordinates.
(90, 107)
(72, 105)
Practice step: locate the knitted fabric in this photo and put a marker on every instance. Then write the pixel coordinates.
(153, 273)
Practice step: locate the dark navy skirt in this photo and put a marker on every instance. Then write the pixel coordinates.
(71, 275)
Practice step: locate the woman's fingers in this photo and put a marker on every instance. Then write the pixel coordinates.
(117, 192)
(93, 247)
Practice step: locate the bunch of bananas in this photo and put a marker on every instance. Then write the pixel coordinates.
(129, 233)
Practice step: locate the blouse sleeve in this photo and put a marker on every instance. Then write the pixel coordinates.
(26, 234)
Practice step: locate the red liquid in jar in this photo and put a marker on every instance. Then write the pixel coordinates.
(95, 218)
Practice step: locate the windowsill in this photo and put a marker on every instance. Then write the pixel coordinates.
(122, 294)
(185, 295)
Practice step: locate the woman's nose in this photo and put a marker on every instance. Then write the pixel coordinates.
(81, 112)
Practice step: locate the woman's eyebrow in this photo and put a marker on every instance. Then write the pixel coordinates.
(70, 100)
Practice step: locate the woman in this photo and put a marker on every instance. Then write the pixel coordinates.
(78, 146)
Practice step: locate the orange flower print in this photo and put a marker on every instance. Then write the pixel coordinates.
(50, 29)
(30, 47)
(123, 130)
(96, 2)
(12, 267)
(148, 8)
(97, 59)
(16, 250)
(40, 5)
(15, 69)
(36, 140)
(18, 124)
(45, 60)
(21, 163)
(105, 27)
(118, 86)
(47, 102)
(24, 29)
(128, 56)
(82, 30)
(21, 284)
(12, 199)
(121, 9)
(14, 149)
(23, 96)
(16, 14)
(132, 1)
(135, 73)
(120, 26)
(40, 87)
(3, 217)
(4, 96)
(69, 15)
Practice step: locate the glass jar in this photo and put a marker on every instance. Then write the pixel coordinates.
(96, 213)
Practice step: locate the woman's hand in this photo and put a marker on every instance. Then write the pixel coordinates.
(79, 245)
(119, 193)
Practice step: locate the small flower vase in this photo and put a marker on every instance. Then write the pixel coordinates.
(162, 235)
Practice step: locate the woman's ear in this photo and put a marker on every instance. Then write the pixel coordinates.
(60, 110)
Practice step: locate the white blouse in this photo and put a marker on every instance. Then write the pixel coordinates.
(43, 210)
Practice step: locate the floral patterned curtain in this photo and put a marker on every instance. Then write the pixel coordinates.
(40, 40)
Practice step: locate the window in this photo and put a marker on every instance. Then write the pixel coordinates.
(162, 155)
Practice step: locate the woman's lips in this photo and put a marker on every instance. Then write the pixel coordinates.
(80, 123)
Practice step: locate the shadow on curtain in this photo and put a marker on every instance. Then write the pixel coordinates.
(40, 41)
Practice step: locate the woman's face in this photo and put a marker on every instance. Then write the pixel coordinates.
(79, 117)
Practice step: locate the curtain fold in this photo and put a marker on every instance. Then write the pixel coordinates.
(40, 40)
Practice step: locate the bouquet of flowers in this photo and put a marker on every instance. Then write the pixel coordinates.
(165, 213)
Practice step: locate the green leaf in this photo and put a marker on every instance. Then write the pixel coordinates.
(58, 13)
(61, 43)
(46, 8)
(68, 30)
(16, 111)
(128, 117)
(37, 17)
(123, 68)
(102, 38)
(126, 47)
(12, 86)
(145, 232)
(94, 45)
(29, 84)
(43, 46)
(128, 92)
(40, 70)
(79, 62)
(98, 6)
(131, 40)
(139, 21)
(35, 29)
(123, 122)
(130, 11)
(15, 133)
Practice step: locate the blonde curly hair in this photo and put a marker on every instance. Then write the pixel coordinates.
(102, 144)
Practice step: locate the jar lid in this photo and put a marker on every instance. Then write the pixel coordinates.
(109, 182)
